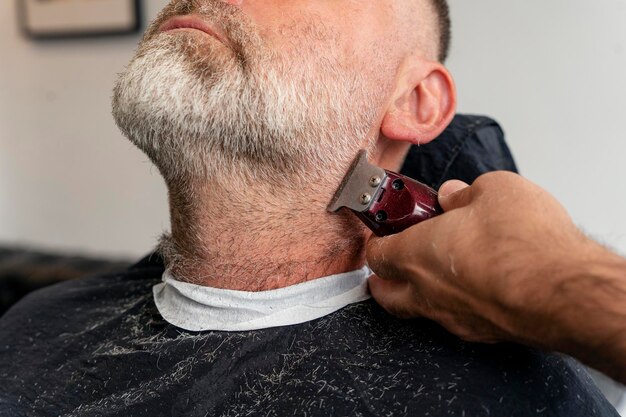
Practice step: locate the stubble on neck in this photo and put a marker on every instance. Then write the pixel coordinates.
(255, 238)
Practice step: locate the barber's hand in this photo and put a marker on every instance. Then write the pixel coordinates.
(480, 268)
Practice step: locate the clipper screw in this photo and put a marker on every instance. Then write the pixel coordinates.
(398, 184)
(375, 181)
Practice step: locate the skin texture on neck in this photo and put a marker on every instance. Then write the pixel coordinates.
(256, 236)
(252, 237)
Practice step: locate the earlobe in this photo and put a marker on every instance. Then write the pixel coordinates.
(423, 105)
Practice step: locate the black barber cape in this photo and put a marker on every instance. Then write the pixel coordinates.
(98, 347)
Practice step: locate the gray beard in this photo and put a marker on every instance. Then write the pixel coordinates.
(200, 111)
(244, 117)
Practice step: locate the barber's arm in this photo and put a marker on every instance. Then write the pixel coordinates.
(506, 263)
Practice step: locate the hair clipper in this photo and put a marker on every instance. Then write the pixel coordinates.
(385, 201)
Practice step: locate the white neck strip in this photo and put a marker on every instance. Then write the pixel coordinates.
(199, 308)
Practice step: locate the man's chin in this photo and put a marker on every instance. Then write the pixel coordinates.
(201, 51)
(198, 37)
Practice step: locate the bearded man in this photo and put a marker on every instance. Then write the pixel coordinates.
(253, 110)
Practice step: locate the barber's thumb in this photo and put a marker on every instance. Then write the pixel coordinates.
(454, 194)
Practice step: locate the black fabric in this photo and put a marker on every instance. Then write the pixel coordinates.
(468, 148)
(23, 270)
(98, 347)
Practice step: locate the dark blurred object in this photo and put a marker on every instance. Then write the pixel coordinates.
(78, 18)
(469, 147)
(25, 270)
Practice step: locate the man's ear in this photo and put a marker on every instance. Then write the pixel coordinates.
(423, 103)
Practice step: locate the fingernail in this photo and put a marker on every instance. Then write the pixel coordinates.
(450, 187)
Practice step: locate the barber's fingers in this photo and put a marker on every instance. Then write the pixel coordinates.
(396, 257)
(396, 297)
(403, 255)
(454, 194)
(388, 256)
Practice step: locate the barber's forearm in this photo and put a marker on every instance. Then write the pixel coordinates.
(588, 317)
(594, 322)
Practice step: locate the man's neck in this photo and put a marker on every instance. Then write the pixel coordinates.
(258, 238)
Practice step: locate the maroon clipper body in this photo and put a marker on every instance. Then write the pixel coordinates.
(385, 201)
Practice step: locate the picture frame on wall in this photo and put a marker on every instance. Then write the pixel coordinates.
(78, 18)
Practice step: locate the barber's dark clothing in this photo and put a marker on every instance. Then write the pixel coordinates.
(98, 347)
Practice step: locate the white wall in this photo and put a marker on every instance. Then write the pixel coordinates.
(68, 179)
(552, 72)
